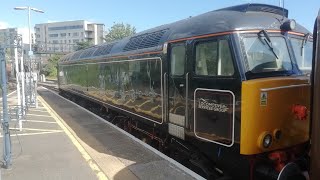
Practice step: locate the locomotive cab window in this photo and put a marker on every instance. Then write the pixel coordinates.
(303, 53)
(264, 56)
(213, 58)
(177, 59)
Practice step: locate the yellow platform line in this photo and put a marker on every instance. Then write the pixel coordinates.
(93, 165)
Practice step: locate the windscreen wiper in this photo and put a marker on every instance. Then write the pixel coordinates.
(304, 42)
(268, 41)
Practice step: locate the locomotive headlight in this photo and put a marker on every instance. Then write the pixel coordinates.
(265, 140)
(288, 25)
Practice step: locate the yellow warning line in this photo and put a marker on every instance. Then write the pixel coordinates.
(93, 165)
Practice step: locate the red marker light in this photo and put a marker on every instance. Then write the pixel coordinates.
(279, 159)
(301, 112)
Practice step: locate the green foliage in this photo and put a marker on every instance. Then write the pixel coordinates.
(83, 45)
(50, 69)
(9, 54)
(119, 31)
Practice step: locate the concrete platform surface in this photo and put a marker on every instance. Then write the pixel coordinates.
(43, 150)
(118, 155)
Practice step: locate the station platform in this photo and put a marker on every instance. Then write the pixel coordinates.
(61, 140)
(42, 150)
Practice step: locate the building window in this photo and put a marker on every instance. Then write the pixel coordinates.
(38, 35)
(65, 27)
(69, 41)
(65, 41)
(53, 35)
(63, 34)
(55, 41)
(75, 34)
(69, 34)
(81, 34)
(75, 40)
(37, 29)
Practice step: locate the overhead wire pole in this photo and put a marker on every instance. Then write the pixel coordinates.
(22, 77)
(281, 3)
(16, 60)
(5, 121)
(32, 97)
(19, 79)
(30, 53)
(15, 42)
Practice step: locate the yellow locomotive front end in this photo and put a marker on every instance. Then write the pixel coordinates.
(275, 101)
(275, 114)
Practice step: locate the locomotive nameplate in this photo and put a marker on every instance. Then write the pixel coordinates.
(214, 115)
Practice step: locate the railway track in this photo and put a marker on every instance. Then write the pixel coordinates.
(51, 87)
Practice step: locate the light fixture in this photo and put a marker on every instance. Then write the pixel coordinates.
(288, 25)
(265, 140)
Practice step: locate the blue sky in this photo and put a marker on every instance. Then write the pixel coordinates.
(142, 14)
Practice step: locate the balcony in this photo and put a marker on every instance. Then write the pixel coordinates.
(90, 28)
(89, 35)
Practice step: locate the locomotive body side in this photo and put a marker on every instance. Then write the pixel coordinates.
(213, 90)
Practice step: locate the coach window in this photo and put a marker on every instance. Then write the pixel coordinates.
(213, 58)
(177, 60)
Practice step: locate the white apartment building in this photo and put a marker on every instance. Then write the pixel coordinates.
(7, 40)
(61, 36)
(7, 36)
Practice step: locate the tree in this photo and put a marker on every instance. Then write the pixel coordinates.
(50, 69)
(119, 31)
(83, 45)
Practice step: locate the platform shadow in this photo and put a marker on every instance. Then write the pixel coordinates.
(102, 138)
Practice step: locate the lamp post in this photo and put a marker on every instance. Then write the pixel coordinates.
(29, 26)
(30, 53)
